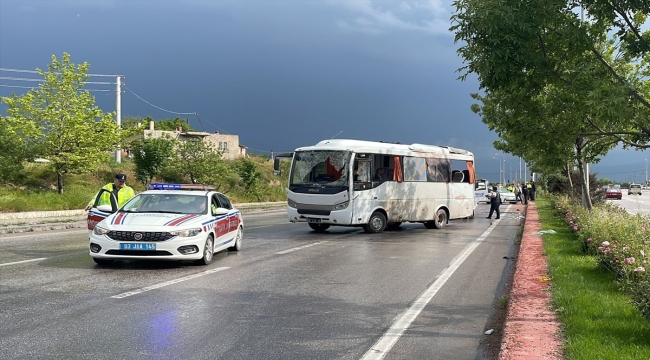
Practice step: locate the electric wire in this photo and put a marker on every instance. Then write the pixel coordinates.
(158, 107)
(36, 72)
(32, 87)
(41, 80)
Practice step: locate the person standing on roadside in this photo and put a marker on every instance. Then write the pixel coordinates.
(524, 194)
(518, 192)
(494, 202)
(117, 188)
(533, 189)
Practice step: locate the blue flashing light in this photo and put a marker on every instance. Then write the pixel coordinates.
(157, 186)
(163, 186)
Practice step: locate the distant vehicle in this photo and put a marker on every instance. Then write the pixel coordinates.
(165, 223)
(374, 185)
(507, 196)
(634, 189)
(481, 190)
(614, 192)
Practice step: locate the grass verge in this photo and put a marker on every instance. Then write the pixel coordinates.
(598, 320)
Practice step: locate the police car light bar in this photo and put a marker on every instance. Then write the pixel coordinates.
(163, 186)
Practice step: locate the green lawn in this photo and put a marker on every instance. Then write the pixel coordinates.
(599, 321)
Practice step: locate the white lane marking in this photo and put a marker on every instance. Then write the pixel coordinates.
(261, 226)
(381, 348)
(299, 248)
(170, 282)
(22, 262)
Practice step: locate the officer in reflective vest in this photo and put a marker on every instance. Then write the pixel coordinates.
(118, 188)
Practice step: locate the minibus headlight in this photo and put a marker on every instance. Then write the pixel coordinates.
(341, 206)
(99, 230)
(292, 203)
(186, 233)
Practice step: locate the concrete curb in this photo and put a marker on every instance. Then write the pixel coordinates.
(42, 227)
(82, 212)
(81, 222)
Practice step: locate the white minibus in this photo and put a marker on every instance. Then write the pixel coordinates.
(376, 185)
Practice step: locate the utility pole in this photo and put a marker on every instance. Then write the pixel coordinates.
(118, 114)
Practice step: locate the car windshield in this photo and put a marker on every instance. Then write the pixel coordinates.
(167, 203)
(321, 168)
(503, 190)
(635, 186)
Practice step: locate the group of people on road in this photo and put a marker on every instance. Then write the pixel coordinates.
(523, 192)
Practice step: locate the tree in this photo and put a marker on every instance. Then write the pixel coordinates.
(14, 147)
(150, 156)
(70, 130)
(201, 162)
(539, 44)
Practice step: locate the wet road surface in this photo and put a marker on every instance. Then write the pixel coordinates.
(289, 293)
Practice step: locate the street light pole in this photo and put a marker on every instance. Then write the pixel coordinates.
(646, 172)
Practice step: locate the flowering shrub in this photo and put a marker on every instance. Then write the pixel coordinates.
(619, 241)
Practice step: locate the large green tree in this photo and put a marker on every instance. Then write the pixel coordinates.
(71, 131)
(200, 161)
(151, 156)
(14, 147)
(531, 45)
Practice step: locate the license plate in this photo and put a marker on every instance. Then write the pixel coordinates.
(313, 220)
(130, 246)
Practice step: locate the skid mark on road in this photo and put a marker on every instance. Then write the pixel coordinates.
(166, 283)
(299, 248)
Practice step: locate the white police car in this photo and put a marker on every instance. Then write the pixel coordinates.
(165, 223)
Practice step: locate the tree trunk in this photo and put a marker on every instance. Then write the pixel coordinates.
(59, 182)
(583, 168)
(568, 172)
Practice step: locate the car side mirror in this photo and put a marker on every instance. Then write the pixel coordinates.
(105, 208)
(220, 211)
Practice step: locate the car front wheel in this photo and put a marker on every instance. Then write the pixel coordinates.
(208, 251)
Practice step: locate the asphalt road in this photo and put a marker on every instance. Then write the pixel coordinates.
(634, 204)
(288, 294)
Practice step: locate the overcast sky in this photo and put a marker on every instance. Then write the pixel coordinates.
(280, 74)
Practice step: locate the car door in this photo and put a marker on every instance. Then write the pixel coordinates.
(220, 223)
(233, 218)
(100, 212)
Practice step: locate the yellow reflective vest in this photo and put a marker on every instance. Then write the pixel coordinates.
(123, 195)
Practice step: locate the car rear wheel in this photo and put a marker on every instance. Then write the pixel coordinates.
(238, 239)
(319, 227)
(208, 251)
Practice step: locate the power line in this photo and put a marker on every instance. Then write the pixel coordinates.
(41, 80)
(32, 87)
(158, 107)
(36, 72)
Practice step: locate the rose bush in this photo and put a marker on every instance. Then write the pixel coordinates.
(619, 241)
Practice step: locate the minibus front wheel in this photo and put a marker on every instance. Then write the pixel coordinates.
(376, 223)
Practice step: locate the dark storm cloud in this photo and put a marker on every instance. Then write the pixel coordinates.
(280, 74)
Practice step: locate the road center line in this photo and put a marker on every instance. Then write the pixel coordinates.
(299, 248)
(381, 348)
(22, 262)
(170, 282)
